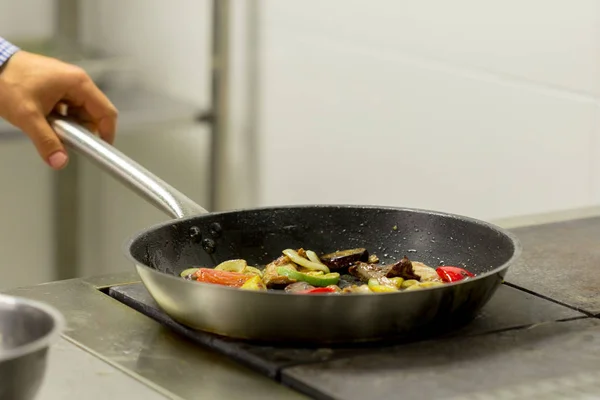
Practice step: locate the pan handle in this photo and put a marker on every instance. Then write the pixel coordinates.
(131, 174)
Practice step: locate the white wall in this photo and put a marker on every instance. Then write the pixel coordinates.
(483, 108)
(27, 19)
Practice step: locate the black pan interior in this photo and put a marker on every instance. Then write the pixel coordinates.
(260, 235)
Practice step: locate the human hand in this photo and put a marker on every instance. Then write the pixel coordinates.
(33, 86)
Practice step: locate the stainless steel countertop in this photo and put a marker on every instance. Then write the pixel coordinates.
(76, 374)
(110, 350)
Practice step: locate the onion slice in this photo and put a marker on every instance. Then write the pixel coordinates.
(295, 257)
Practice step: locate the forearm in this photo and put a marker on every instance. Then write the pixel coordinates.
(7, 49)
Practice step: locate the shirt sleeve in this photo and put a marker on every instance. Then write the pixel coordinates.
(7, 49)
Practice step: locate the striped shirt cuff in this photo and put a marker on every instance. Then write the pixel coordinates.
(7, 49)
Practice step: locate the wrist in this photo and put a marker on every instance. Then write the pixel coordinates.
(7, 50)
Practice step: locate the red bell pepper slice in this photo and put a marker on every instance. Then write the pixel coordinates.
(220, 277)
(453, 274)
(318, 290)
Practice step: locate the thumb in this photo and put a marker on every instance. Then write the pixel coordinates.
(48, 145)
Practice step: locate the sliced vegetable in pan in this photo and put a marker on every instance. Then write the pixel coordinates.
(254, 283)
(453, 274)
(232, 266)
(304, 262)
(317, 278)
(220, 277)
(305, 272)
(318, 290)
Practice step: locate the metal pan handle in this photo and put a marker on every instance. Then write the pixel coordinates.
(131, 174)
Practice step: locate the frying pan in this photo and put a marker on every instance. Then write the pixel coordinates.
(199, 238)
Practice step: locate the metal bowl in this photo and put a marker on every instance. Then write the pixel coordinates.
(27, 329)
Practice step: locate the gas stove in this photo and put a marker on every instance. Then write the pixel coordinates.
(538, 337)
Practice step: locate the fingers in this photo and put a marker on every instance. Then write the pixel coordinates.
(101, 111)
(83, 118)
(45, 140)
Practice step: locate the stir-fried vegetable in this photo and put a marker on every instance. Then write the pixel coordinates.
(346, 258)
(453, 274)
(397, 281)
(316, 278)
(318, 290)
(297, 287)
(232, 266)
(253, 270)
(219, 277)
(188, 273)
(238, 266)
(305, 272)
(312, 256)
(254, 283)
(381, 287)
(295, 257)
(408, 283)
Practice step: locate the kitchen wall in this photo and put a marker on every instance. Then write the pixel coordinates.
(482, 108)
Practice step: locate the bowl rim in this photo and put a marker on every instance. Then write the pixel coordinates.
(44, 341)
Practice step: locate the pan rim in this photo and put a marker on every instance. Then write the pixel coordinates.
(518, 248)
